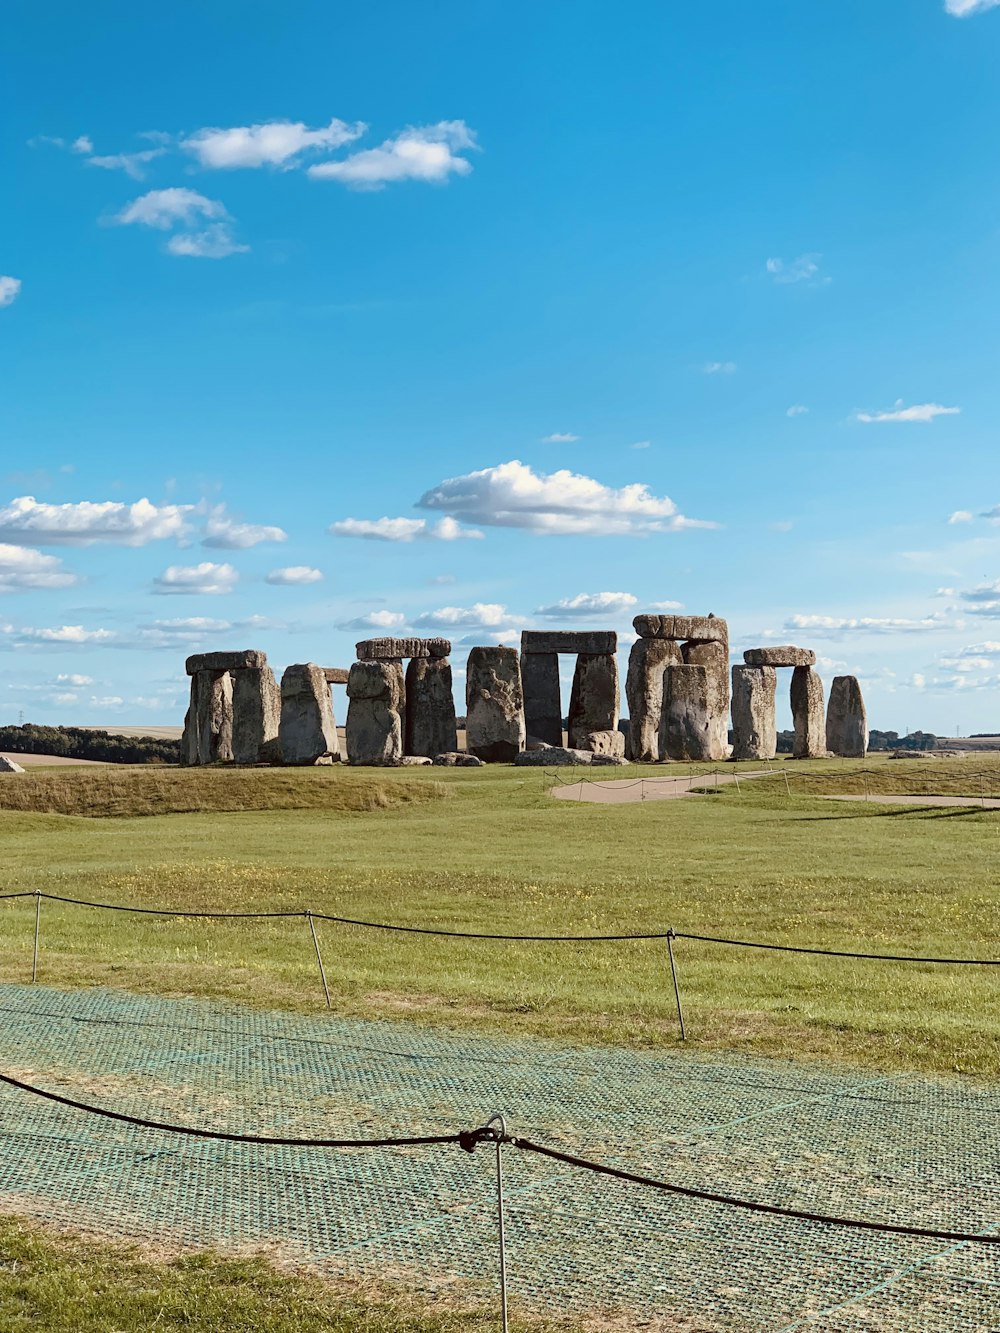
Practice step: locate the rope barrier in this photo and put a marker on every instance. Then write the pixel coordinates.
(839, 953)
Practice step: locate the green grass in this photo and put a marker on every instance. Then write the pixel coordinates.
(491, 850)
(52, 1283)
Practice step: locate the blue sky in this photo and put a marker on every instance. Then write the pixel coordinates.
(323, 322)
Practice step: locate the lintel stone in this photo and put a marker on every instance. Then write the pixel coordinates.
(248, 659)
(569, 641)
(336, 675)
(388, 650)
(784, 656)
(689, 629)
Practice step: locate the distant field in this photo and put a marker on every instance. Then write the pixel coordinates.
(490, 850)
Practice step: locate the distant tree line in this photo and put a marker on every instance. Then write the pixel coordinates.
(877, 740)
(80, 743)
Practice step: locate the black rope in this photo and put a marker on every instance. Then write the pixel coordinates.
(192, 1131)
(477, 935)
(931, 1233)
(838, 953)
(166, 911)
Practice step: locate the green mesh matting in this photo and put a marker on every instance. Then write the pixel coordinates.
(901, 1149)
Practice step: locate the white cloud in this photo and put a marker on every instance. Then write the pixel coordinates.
(214, 242)
(204, 579)
(64, 697)
(797, 410)
(919, 412)
(403, 529)
(22, 568)
(803, 269)
(641, 444)
(9, 289)
(225, 533)
(836, 625)
(164, 209)
(69, 634)
(189, 631)
(559, 437)
(719, 368)
(73, 679)
(294, 574)
(83, 144)
(984, 600)
(133, 164)
(484, 615)
(511, 495)
(425, 153)
(945, 592)
(276, 143)
(992, 515)
(106, 701)
(375, 620)
(963, 9)
(590, 604)
(960, 516)
(665, 606)
(30, 522)
(485, 635)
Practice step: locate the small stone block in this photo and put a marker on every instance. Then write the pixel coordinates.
(388, 650)
(569, 641)
(336, 675)
(690, 629)
(247, 659)
(785, 656)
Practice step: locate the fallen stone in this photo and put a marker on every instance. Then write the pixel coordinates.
(647, 661)
(256, 712)
(785, 656)
(755, 734)
(9, 765)
(336, 675)
(542, 697)
(455, 759)
(494, 723)
(847, 719)
(568, 641)
(415, 761)
(533, 743)
(374, 731)
(389, 650)
(714, 657)
(690, 629)
(430, 726)
(609, 761)
(603, 743)
(685, 725)
(595, 697)
(558, 756)
(807, 714)
(232, 661)
(307, 731)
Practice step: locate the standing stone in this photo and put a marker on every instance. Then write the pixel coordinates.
(686, 721)
(807, 714)
(208, 726)
(307, 731)
(256, 703)
(847, 719)
(647, 662)
(542, 697)
(375, 713)
(595, 698)
(430, 728)
(714, 657)
(494, 726)
(755, 731)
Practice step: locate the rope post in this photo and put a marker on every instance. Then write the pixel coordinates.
(736, 779)
(673, 974)
(867, 794)
(34, 955)
(982, 791)
(788, 790)
(319, 958)
(497, 1125)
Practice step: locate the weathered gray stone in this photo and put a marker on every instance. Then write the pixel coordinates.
(690, 629)
(784, 656)
(336, 675)
(374, 731)
(847, 719)
(603, 743)
(542, 697)
(9, 765)
(208, 726)
(307, 731)
(430, 708)
(714, 657)
(685, 724)
(755, 733)
(595, 697)
(610, 761)
(415, 761)
(556, 756)
(647, 662)
(256, 712)
(494, 726)
(389, 650)
(231, 661)
(808, 714)
(568, 641)
(456, 759)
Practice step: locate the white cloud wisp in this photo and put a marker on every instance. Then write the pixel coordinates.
(206, 579)
(918, 412)
(30, 522)
(429, 153)
(591, 604)
(404, 529)
(276, 143)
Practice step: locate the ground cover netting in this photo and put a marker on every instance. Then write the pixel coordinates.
(899, 1149)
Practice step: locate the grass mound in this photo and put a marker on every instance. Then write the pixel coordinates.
(129, 792)
(974, 776)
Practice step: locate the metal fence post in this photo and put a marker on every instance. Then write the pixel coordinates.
(500, 1134)
(34, 955)
(677, 990)
(319, 958)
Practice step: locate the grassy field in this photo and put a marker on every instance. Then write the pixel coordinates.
(491, 850)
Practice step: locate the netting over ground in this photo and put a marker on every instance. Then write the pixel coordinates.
(899, 1149)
